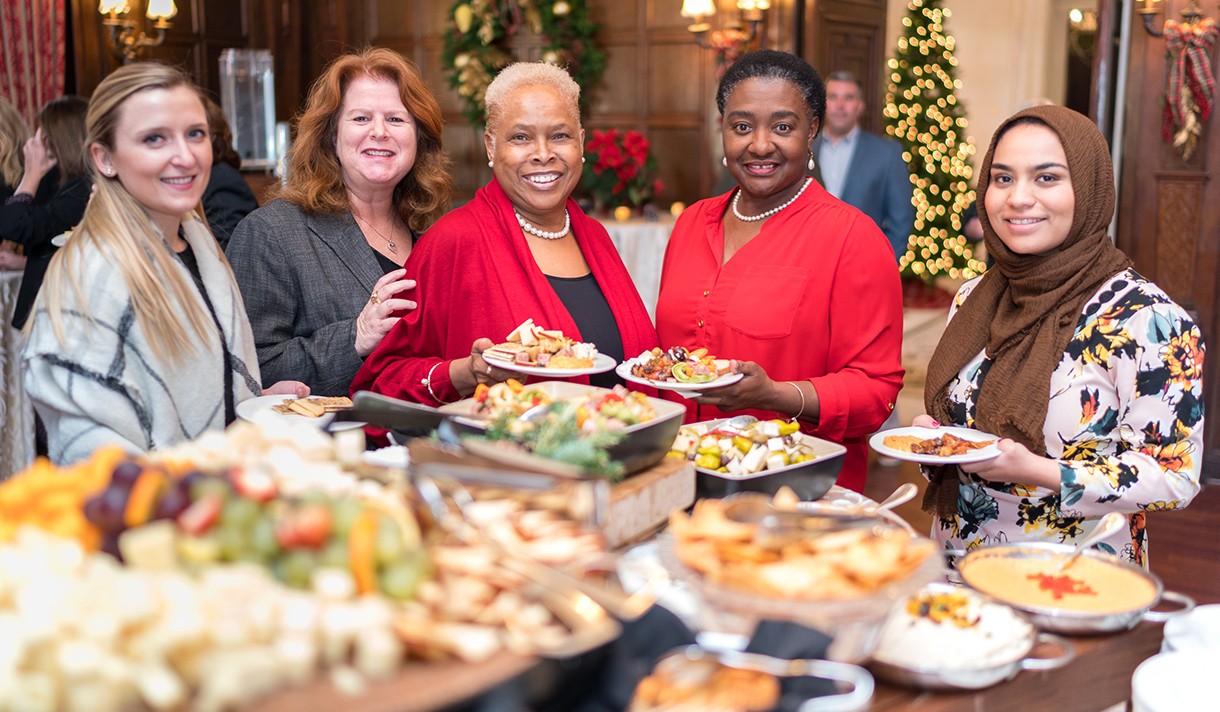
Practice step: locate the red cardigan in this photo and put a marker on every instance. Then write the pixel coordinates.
(477, 278)
(814, 296)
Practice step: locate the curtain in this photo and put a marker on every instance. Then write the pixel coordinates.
(31, 53)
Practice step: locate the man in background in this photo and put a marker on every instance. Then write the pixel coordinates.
(861, 168)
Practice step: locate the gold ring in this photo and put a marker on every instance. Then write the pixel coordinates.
(373, 298)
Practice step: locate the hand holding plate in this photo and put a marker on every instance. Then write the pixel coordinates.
(1017, 464)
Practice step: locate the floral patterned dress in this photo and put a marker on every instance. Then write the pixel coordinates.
(1125, 422)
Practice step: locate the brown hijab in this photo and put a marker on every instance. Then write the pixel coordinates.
(1024, 310)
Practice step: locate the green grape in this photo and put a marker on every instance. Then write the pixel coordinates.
(401, 579)
(240, 513)
(203, 486)
(262, 536)
(231, 542)
(344, 512)
(334, 555)
(203, 549)
(296, 567)
(389, 546)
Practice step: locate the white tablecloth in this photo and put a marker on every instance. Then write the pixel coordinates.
(16, 413)
(641, 244)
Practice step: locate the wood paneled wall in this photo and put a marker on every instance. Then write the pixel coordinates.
(1169, 208)
(850, 35)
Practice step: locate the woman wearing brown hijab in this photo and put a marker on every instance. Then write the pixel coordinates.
(1090, 374)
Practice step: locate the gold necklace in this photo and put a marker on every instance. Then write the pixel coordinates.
(388, 241)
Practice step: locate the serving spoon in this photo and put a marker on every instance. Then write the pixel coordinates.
(1109, 524)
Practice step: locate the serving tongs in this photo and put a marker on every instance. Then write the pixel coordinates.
(779, 527)
(616, 603)
(391, 413)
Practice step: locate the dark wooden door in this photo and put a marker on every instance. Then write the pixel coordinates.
(1169, 208)
(849, 35)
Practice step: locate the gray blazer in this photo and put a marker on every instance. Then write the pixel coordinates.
(304, 279)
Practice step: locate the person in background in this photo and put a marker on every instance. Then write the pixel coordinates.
(13, 134)
(321, 267)
(862, 169)
(794, 284)
(51, 196)
(228, 197)
(522, 249)
(138, 337)
(1091, 375)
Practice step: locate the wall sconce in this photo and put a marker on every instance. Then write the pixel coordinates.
(126, 40)
(750, 14)
(1148, 9)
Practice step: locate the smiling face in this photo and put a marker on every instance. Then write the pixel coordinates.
(843, 107)
(376, 137)
(767, 133)
(162, 154)
(1030, 201)
(536, 146)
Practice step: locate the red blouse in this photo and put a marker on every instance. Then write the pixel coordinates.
(814, 296)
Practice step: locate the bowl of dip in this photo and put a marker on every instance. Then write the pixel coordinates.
(1098, 593)
(947, 637)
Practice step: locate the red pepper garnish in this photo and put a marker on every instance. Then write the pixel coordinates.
(1059, 586)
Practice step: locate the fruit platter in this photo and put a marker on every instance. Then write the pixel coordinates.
(221, 574)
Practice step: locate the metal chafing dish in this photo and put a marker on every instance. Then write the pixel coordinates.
(1074, 622)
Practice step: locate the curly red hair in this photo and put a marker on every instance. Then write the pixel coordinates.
(315, 178)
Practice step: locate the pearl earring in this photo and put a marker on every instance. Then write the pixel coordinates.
(811, 163)
(582, 159)
(724, 161)
(491, 164)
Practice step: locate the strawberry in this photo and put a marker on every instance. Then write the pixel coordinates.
(313, 525)
(255, 484)
(201, 515)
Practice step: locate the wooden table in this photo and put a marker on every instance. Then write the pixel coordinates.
(1099, 677)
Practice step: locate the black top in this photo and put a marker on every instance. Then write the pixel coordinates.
(387, 264)
(32, 224)
(226, 201)
(192, 265)
(583, 298)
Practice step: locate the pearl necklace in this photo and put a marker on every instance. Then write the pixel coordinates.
(772, 211)
(525, 225)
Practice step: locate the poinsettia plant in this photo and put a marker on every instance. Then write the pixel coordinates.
(620, 169)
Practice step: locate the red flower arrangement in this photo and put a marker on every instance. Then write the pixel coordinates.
(619, 169)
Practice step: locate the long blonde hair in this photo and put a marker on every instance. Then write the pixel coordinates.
(13, 134)
(118, 226)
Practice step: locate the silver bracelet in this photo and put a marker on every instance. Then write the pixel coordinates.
(426, 382)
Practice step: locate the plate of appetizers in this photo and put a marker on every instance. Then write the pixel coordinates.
(945, 445)
(678, 369)
(317, 411)
(533, 350)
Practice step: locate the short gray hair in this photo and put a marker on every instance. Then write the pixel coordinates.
(520, 75)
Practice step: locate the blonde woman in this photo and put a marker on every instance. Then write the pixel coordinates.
(13, 135)
(139, 336)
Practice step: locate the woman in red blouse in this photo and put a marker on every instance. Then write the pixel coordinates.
(795, 285)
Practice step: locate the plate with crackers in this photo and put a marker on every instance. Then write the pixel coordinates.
(317, 411)
(537, 351)
(946, 445)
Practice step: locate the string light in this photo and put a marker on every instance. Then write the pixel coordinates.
(923, 113)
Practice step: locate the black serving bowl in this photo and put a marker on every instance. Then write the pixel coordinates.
(642, 446)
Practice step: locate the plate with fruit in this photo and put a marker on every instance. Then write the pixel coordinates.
(689, 371)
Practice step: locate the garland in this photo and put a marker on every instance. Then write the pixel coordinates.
(477, 44)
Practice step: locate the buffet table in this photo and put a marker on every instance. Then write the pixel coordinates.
(641, 243)
(16, 413)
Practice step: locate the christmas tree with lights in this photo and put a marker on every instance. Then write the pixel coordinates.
(922, 112)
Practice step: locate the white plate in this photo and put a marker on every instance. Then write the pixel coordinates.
(260, 408)
(601, 364)
(877, 442)
(687, 389)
